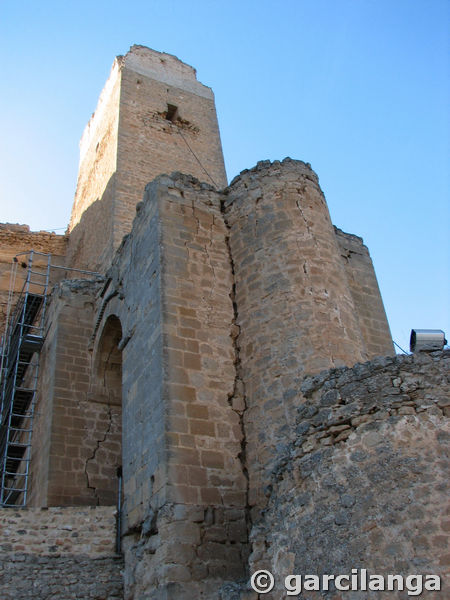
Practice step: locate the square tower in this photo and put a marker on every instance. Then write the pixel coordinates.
(153, 117)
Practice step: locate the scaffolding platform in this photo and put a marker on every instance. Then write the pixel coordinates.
(23, 340)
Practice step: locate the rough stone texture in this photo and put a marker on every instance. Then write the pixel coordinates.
(196, 343)
(91, 225)
(185, 552)
(17, 239)
(294, 307)
(59, 553)
(26, 577)
(366, 295)
(204, 429)
(131, 138)
(170, 287)
(364, 483)
(76, 446)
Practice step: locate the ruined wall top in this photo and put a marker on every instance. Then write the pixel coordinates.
(161, 66)
(153, 117)
(268, 167)
(164, 67)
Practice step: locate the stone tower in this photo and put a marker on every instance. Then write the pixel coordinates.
(211, 378)
(153, 117)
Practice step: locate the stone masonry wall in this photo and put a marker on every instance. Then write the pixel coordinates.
(132, 138)
(15, 239)
(366, 295)
(59, 553)
(204, 427)
(151, 141)
(364, 482)
(185, 528)
(91, 223)
(294, 308)
(76, 445)
(132, 294)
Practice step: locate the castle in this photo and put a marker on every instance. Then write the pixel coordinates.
(199, 380)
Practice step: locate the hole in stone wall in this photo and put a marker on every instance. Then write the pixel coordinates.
(172, 112)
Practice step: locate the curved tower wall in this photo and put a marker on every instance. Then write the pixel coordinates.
(366, 483)
(294, 307)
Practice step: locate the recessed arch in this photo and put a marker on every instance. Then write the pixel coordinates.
(108, 359)
(104, 464)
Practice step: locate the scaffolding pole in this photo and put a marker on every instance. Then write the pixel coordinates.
(24, 336)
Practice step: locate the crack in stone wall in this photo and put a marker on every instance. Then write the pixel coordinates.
(237, 399)
(92, 458)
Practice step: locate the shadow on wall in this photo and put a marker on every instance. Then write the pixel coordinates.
(106, 459)
(91, 240)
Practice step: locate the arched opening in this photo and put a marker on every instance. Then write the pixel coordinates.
(109, 359)
(104, 464)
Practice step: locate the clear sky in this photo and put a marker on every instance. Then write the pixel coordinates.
(358, 88)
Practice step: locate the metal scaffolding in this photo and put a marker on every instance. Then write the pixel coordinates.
(24, 336)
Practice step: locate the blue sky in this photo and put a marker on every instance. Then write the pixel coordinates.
(358, 88)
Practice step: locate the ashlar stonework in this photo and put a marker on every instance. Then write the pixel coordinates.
(218, 390)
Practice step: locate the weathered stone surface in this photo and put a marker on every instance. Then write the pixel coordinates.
(376, 498)
(366, 295)
(217, 363)
(60, 553)
(19, 240)
(182, 436)
(130, 139)
(294, 307)
(77, 431)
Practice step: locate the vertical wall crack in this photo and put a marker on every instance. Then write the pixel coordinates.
(238, 398)
(94, 453)
(308, 228)
(100, 441)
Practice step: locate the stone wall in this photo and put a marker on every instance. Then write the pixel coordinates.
(91, 225)
(185, 528)
(187, 141)
(132, 294)
(59, 553)
(366, 295)
(16, 239)
(295, 312)
(76, 446)
(364, 481)
(205, 430)
(133, 136)
(194, 344)
(185, 552)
